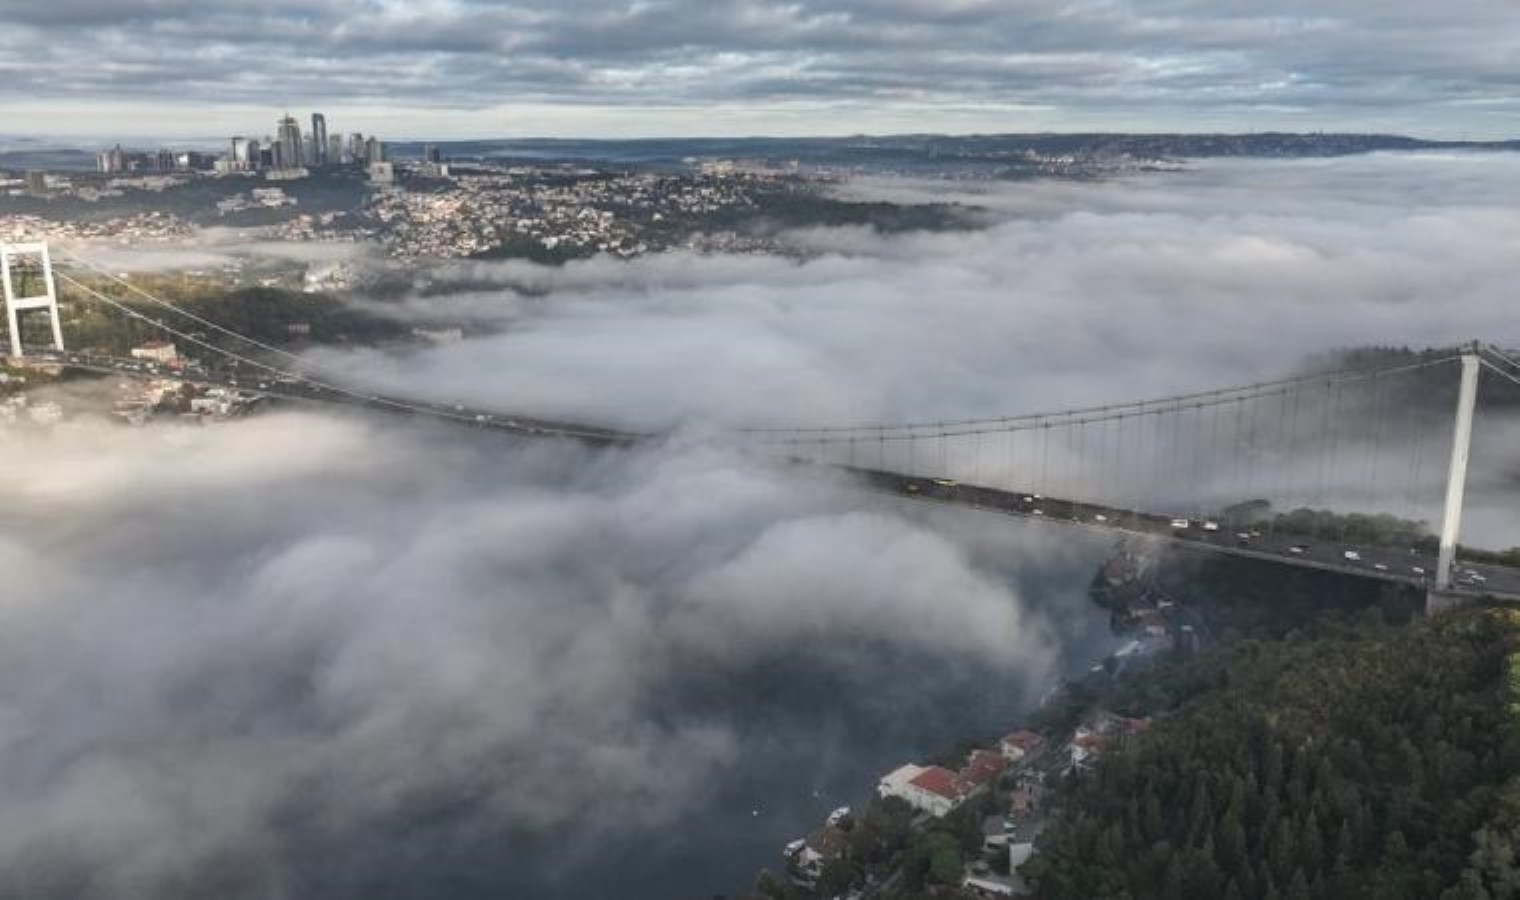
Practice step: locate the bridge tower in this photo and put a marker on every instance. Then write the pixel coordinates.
(15, 305)
(1456, 479)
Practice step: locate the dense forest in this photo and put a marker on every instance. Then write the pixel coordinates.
(1351, 760)
(269, 315)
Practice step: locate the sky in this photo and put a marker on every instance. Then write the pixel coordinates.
(198, 69)
(329, 655)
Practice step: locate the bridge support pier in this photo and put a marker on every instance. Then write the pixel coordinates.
(1438, 601)
(15, 305)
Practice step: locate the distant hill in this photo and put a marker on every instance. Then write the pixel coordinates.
(942, 149)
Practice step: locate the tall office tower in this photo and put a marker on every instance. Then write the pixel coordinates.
(290, 144)
(36, 183)
(254, 159)
(431, 154)
(319, 139)
(240, 157)
(334, 149)
(374, 150)
(356, 148)
(112, 161)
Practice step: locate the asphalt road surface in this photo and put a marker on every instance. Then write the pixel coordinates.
(1403, 565)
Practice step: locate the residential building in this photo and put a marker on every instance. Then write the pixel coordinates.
(930, 789)
(1021, 745)
(806, 858)
(162, 352)
(981, 770)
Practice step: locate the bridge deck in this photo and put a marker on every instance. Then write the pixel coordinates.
(1382, 563)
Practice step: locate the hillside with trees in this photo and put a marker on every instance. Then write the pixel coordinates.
(1352, 760)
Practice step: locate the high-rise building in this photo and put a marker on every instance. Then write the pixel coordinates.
(243, 154)
(431, 154)
(334, 149)
(289, 136)
(318, 139)
(356, 148)
(374, 150)
(36, 183)
(112, 161)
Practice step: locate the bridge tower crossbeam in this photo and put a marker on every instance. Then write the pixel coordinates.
(15, 305)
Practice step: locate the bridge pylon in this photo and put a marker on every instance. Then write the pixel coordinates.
(15, 305)
(1456, 479)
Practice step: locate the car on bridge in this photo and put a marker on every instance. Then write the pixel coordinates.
(1352, 555)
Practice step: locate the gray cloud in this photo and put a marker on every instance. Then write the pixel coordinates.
(243, 652)
(224, 644)
(1168, 64)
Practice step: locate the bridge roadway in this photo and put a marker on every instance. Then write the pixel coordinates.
(1383, 563)
(1379, 562)
(255, 381)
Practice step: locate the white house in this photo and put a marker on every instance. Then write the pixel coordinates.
(931, 789)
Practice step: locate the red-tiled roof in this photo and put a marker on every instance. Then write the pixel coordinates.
(937, 780)
(983, 766)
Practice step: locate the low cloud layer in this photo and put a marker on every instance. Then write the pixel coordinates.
(235, 639)
(1079, 294)
(1083, 293)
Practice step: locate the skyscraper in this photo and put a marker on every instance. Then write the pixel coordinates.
(289, 137)
(112, 160)
(319, 139)
(334, 149)
(374, 150)
(356, 148)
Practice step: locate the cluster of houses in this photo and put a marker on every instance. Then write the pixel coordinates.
(1017, 768)
(806, 857)
(937, 790)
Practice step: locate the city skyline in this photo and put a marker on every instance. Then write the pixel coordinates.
(287, 148)
(596, 68)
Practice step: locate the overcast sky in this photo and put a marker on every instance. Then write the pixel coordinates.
(468, 68)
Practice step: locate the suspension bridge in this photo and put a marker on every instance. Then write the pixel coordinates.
(1210, 470)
